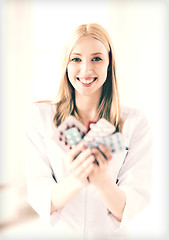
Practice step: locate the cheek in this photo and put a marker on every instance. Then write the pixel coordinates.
(71, 70)
(103, 71)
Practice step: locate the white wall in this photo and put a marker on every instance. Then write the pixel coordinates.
(139, 31)
(17, 84)
(33, 35)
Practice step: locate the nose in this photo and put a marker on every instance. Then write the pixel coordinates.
(86, 67)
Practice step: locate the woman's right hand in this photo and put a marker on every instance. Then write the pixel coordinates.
(79, 162)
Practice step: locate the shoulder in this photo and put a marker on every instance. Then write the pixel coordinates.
(132, 114)
(135, 121)
(42, 108)
(40, 113)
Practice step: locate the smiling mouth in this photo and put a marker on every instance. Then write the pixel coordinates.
(86, 80)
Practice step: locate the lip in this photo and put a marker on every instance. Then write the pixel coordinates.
(86, 81)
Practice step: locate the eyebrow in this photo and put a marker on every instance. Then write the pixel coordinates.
(79, 54)
(75, 54)
(97, 53)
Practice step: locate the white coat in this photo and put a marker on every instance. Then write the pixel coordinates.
(86, 216)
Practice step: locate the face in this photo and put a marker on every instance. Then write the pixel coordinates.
(87, 67)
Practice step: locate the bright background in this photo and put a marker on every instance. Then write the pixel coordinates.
(33, 33)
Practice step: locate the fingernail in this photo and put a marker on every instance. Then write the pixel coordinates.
(84, 144)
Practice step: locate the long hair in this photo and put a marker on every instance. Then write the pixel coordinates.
(109, 107)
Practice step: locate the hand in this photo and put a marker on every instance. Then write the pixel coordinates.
(79, 161)
(99, 173)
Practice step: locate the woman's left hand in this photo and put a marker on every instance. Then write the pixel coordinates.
(99, 173)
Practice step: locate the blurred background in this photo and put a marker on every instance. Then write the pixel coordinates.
(32, 35)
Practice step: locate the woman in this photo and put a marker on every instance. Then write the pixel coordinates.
(81, 199)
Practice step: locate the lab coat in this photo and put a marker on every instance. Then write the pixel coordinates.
(86, 216)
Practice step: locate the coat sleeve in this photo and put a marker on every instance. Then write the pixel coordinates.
(134, 177)
(39, 174)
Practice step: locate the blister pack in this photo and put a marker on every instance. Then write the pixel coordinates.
(67, 132)
(72, 132)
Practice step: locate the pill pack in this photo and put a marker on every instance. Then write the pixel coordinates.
(70, 127)
(71, 132)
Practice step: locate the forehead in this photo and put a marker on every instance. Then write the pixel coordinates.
(88, 44)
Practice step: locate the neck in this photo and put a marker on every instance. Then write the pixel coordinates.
(87, 108)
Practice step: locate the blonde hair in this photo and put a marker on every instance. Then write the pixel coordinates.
(109, 107)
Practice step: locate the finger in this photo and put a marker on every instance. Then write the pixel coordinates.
(81, 158)
(88, 172)
(85, 168)
(99, 156)
(75, 151)
(105, 151)
(88, 168)
(95, 160)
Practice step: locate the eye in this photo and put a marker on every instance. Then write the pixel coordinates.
(96, 59)
(76, 60)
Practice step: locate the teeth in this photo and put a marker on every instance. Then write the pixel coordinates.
(86, 81)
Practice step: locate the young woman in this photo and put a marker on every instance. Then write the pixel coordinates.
(83, 200)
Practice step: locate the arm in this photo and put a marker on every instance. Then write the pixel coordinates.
(39, 174)
(79, 169)
(135, 174)
(132, 193)
(41, 186)
(45, 195)
(113, 197)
